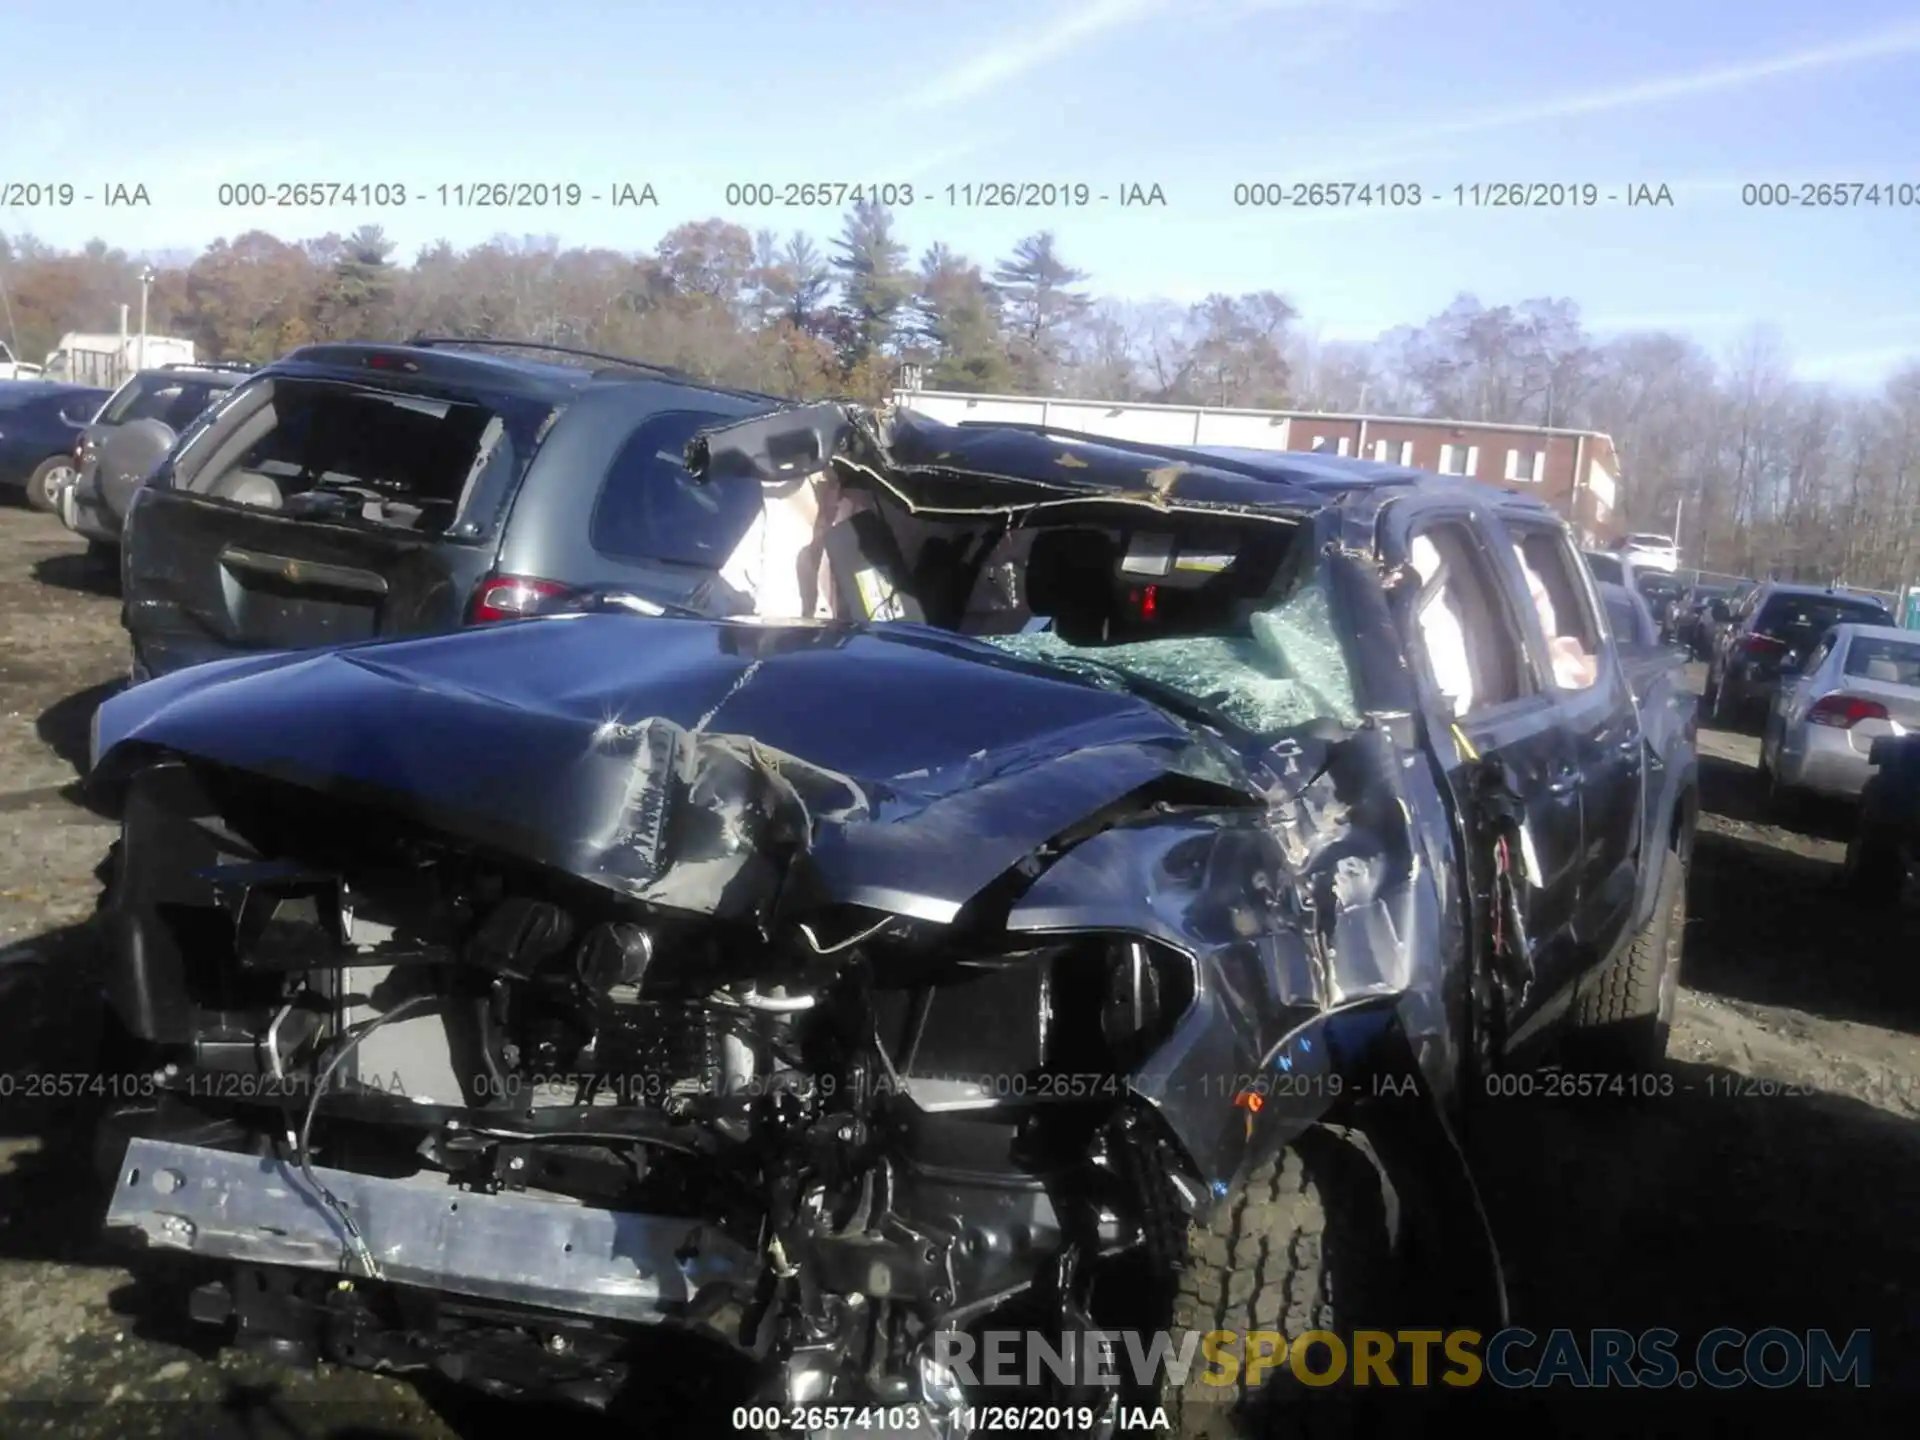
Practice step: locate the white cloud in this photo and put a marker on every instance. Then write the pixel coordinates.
(1025, 48)
(1708, 80)
(1028, 45)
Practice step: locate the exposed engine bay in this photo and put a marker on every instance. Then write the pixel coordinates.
(828, 1160)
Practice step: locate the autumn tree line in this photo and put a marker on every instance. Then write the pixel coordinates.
(1772, 475)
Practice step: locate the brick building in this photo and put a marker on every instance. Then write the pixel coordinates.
(1576, 471)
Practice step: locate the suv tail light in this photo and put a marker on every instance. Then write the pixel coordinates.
(513, 597)
(1845, 711)
(1763, 645)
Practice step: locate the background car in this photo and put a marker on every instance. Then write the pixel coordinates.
(1857, 684)
(39, 423)
(1654, 552)
(131, 434)
(1776, 620)
(1691, 626)
(429, 485)
(1723, 614)
(1662, 590)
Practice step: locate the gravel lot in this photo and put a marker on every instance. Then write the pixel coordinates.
(1778, 1186)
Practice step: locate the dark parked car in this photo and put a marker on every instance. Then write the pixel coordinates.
(1885, 842)
(1692, 618)
(1723, 613)
(1774, 622)
(39, 423)
(352, 491)
(1662, 592)
(131, 434)
(1032, 960)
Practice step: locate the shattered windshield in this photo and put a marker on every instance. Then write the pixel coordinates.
(1264, 664)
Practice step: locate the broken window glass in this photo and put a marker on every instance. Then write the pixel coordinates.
(1287, 668)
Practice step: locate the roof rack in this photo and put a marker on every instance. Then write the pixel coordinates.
(1193, 454)
(616, 363)
(429, 342)
(244, 366)
(1112, 442)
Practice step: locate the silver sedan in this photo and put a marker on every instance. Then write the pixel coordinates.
(1858, 682)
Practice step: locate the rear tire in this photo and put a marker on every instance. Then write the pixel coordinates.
(1623, 1015)
(1303, 1245)
(1876, 871)
(41, 482)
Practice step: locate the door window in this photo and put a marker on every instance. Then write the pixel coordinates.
(1564, 604)
(1472, 651)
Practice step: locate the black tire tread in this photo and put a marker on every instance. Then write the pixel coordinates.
(1876, 871)
(1270, 1258)
(1617, 1014)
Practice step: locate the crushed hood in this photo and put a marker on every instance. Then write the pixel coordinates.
(680, 761)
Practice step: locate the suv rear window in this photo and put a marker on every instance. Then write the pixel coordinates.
(175, 403)
(348, 453)
(651, 509)
(1794, 615)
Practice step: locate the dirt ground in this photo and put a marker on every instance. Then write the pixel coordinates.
(1779, 1184)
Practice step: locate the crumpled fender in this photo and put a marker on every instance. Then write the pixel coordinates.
(1337, 901)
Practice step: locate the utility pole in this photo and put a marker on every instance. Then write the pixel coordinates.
(146, 283)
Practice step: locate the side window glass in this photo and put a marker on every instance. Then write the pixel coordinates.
(1472, 651)
(650, 508)
(1563, 604)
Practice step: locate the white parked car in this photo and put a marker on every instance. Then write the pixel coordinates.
(12, 369)
(1858, 683)
(1652, 552)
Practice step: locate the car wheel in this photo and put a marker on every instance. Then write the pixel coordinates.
(1623, 1015)
(1303, 1244)
(44, 484)
(1876, 871)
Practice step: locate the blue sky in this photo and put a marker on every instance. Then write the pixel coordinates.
(1703, 96)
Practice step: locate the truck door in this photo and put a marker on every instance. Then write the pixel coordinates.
(1595, 698)
(1479, 677)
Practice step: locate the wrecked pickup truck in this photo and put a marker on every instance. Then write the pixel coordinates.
(1105, 937)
